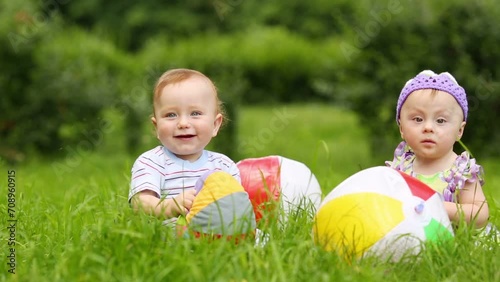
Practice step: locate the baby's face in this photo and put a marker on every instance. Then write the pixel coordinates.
(431, 122)
(186, 117)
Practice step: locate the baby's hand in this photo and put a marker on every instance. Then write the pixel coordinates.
(185, 200)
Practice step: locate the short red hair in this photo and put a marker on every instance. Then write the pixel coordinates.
(178, 75)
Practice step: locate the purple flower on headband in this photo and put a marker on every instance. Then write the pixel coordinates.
(429, 80)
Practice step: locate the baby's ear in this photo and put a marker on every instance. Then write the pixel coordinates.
(461, 130)
(153, 120)
(217, 124)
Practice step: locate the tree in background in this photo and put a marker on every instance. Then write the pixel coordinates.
(457, 37)
(65, 64)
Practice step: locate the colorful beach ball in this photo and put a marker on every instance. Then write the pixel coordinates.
(382, 212)
(221, 208)
(278, 182)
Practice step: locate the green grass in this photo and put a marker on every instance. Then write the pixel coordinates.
(326, 139)
(77, 226)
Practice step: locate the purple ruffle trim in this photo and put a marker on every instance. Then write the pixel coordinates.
(464, 169)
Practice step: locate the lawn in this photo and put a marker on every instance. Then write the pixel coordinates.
(74, 222)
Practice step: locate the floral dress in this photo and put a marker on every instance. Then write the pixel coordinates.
(447, 182)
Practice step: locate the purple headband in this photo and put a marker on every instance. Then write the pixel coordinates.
(429, 80)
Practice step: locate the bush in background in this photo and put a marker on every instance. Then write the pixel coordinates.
(72, 62)
(53, 102)
(458, 37)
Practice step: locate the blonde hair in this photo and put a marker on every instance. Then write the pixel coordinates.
(174, 76)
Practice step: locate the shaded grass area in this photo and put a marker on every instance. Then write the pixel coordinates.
(77, 226)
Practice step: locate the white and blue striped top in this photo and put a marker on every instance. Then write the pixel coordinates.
(160, 171)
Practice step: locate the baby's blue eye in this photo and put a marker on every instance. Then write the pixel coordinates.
(170, 115)
(196, 113)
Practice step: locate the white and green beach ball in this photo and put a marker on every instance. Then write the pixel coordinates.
(383, 212)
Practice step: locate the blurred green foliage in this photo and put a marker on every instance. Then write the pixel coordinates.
(65, 63)
(459, 37)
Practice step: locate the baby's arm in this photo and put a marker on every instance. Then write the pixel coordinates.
(148, 201)
(471, 206)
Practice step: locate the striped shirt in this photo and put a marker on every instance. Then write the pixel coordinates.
(160, 171)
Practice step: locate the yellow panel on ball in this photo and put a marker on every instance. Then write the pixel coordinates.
(349, 225)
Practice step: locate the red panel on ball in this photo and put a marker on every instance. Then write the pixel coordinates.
(261, 179)
(417, 187)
